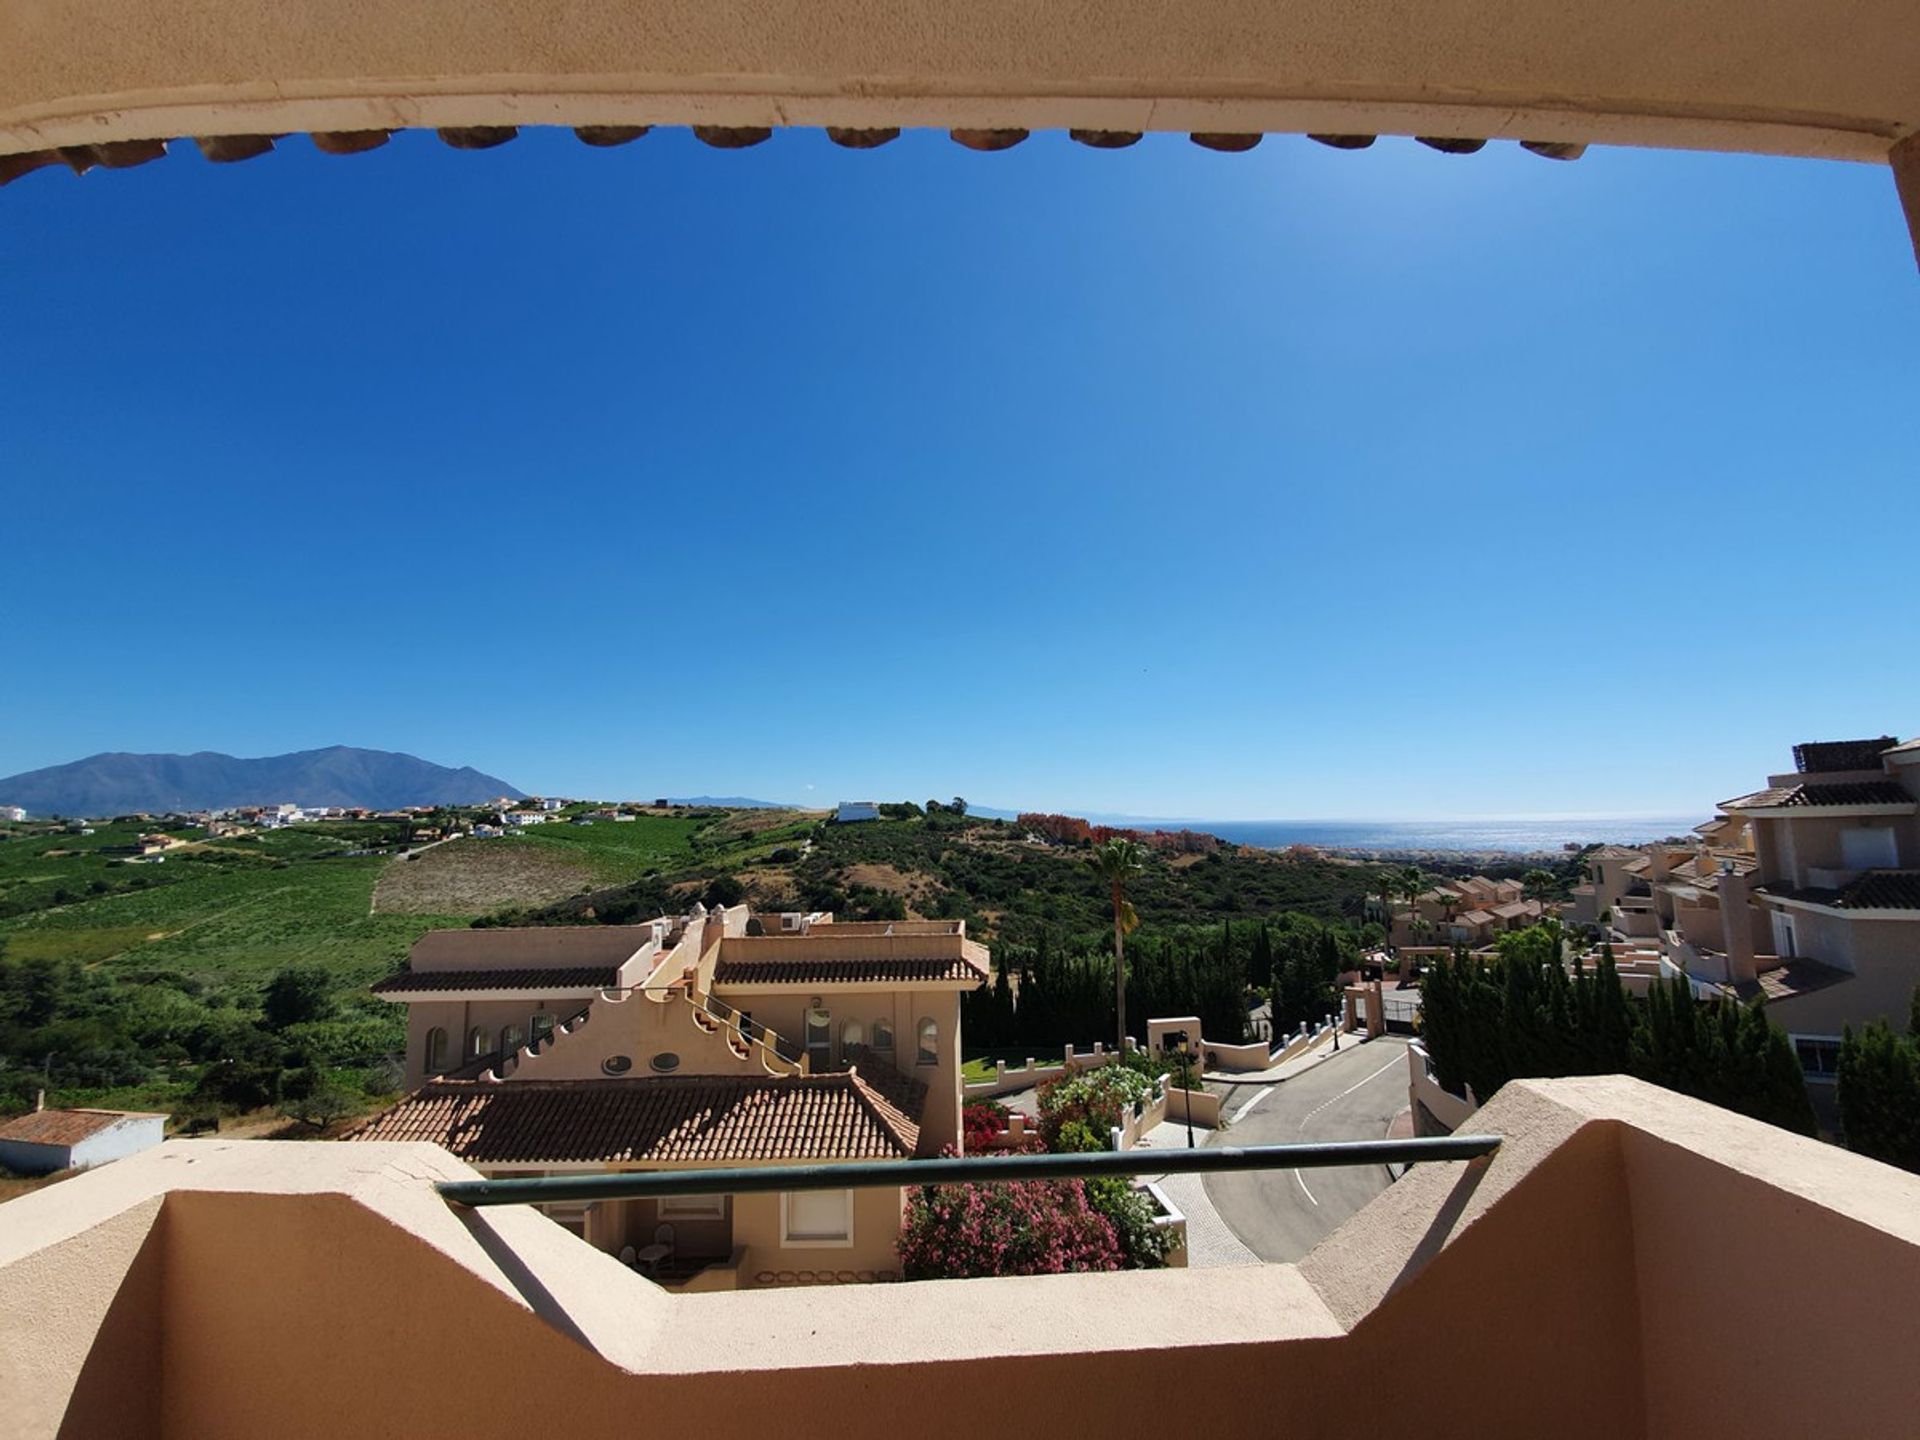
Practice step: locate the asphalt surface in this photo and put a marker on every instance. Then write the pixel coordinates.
(1282, 1214)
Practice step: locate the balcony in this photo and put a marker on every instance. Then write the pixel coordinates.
(1586, 1277)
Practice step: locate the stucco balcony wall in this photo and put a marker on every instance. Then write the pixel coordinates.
(1786, 76)
(1596, 1277)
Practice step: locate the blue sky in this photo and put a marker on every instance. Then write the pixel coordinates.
(1290, 484)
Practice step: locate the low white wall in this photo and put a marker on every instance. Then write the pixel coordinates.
(1005, 1081)
(1422, 1089)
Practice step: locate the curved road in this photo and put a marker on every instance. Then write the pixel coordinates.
(1282, 1214)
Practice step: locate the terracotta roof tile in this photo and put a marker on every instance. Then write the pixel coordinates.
(656, 1119)
(828, 970)
(1865, 792)
(577, 977)
(1795, 977)
(66, 1127)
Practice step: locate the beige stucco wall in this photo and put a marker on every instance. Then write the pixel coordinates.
(1884, 956)
(1597, 1277)
(1770, 75)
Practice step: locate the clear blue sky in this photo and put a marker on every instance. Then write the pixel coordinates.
(1290, 484)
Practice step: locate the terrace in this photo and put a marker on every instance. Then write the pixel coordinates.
(216, 1288)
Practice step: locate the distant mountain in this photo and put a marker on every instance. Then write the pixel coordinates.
(733, 802)
(115, 784)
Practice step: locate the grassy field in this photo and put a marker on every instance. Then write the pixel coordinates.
(617, 852)
(473, 877)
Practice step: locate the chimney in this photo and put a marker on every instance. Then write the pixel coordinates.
(1736, 923)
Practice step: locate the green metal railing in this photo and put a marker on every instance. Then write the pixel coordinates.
(742, 1180)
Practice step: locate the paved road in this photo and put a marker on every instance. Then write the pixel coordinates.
(1282, 1214)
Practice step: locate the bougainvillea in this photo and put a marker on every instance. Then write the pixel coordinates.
(981, 1121)
(1028, 1227)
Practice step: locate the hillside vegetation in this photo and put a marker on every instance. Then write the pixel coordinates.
(234, 974)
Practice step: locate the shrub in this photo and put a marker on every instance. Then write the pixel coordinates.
(1098, 1099)
(1143, 1244)
(1030, 1227)
(981, 1121)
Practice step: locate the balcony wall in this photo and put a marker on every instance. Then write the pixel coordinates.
(1626, 1265)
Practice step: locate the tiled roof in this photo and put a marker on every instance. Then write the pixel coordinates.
(578, 977)
(66, 1127)
(1516, 907)
(1823, 755)
(830, 970)
(1795, 977)
(1865, 792)
(1875, 890)
(1477, 917)
(1883, 890)
(655, 1119)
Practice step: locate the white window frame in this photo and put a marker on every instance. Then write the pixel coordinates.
(791, 1241)
(1794, 1038)
(693, 1207)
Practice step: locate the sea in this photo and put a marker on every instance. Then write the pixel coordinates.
(1518, 835)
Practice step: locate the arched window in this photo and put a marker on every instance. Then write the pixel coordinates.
(436, 1050)
(853, 1039)
(511, 1039)
(479, 1042)
(929, 1043)
(542, 1025)
(882, 1035)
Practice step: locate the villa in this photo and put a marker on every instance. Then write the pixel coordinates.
(716, 1038)
(1805, 893)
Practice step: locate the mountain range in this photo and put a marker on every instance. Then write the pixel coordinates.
(118, 783)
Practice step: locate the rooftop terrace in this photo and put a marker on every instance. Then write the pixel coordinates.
(1629, 1262)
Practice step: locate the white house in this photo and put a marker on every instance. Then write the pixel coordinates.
(50, 1140)
(551, 803)
(14, 813)
(851, 810)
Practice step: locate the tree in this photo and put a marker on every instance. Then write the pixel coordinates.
(958, 805)
(1880, 1093)
(1116, 863)
(723, 891)
(1412, 885)
(1537, 884)
(297, 995)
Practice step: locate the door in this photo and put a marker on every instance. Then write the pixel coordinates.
(819, 1040)
(1783, 935)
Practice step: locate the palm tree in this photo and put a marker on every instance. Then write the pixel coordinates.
(1116, 862)
(1412, 885)
(1537, 884)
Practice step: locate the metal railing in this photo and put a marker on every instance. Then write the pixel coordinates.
(633, 1185)
(749, 1028)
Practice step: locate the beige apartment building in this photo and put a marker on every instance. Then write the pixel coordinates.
(1806, 893)
(1471, 912)
(711, 1039)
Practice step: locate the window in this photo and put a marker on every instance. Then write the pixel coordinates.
(817, 1218)
(511, 1039)
(1819, 1055)
(542, 1025)
(693, 1207)
(1869, 848)
(436, 1050)
(666, 1060)
(882, 1035)
(479, 1042)
(853, 1038)
(616, 1064)
(929, 1043)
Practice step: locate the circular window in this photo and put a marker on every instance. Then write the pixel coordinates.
(666, 1060)
(617, 1064)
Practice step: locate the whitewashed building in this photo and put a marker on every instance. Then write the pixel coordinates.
(50, 1140)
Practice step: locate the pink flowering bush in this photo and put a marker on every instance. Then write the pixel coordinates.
(1026, 1227)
